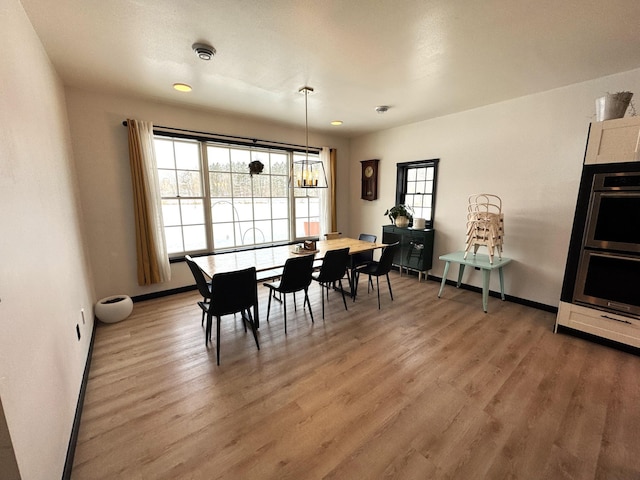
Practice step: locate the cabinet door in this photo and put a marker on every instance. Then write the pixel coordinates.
(614, 141)
(391, 234)
(414, 250)
(419, 253)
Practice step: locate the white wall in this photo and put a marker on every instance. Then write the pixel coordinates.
(529, 151)
(101, 150)
(44, 280)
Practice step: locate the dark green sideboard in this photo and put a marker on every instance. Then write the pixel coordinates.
(416, 248)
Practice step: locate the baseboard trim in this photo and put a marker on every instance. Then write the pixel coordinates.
(510, 298)
(163, 293)
(73, 440)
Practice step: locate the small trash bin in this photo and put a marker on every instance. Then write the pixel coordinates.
(114, 309)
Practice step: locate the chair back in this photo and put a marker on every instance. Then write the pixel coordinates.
(334, 265)
(386, 259)
(297, 272)
(201, 282)
(363, 258)
(233, 292)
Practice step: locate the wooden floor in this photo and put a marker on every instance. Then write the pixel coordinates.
(426, 388)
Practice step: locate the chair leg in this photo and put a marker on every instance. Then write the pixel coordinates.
(389, 283)
(269, 305)
(207, 329)
(218, 339)
(378, 289)
(322, 287)
(253, 326)
(204, 300)
(344, 300)
(306, 298)
(356, 282)
(284, 305)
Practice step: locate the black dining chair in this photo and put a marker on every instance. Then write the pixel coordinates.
(231, 292)
(296, 276)
(334, 266)
(361, 258)
(205, 288)
(379, 268)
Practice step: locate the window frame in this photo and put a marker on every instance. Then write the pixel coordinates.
(293, 194)
(402, 173)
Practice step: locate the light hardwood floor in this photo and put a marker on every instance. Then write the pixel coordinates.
(425, 388)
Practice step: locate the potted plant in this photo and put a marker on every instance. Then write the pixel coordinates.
(256, 167)
(400, 215)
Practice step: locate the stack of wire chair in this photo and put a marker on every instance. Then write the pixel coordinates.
(485, 224)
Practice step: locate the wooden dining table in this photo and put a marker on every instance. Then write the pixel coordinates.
(269, 260)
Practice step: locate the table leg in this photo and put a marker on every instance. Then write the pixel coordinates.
(460, 272)
(501, 283)
(486, 274)
(352, 276)
(444, 278)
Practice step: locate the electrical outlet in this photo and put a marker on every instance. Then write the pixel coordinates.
(78, 331)
(82, 313)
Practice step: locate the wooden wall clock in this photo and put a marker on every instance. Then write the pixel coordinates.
(369, 179)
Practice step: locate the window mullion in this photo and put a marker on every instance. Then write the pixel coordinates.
(206, 195)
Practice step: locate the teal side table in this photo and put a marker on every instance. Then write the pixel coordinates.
(480, 261)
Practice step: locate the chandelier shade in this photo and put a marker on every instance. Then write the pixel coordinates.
(308, 173)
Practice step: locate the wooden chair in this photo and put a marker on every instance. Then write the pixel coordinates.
(296, 276)
(334, 266)
(379, 268)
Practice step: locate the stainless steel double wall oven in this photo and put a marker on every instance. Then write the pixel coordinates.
(605, 246)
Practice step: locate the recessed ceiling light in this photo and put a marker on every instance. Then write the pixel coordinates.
(336, 123)
(182, 87)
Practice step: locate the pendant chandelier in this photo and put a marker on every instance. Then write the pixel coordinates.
(308, 173)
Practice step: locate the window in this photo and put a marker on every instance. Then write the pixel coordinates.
(416, 187)
(211, 202)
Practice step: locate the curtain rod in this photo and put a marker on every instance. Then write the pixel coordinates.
(237, 139)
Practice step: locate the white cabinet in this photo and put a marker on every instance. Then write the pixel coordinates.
(614, 141)
(609, 325)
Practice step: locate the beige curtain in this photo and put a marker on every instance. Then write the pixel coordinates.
(327, 195)
(153, 260)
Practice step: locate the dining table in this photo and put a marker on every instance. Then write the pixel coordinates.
(269, 261)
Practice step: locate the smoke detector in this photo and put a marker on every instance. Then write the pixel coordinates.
(204, 51)
(382, 109)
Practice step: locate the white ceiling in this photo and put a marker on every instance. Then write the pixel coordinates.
(423, 58)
